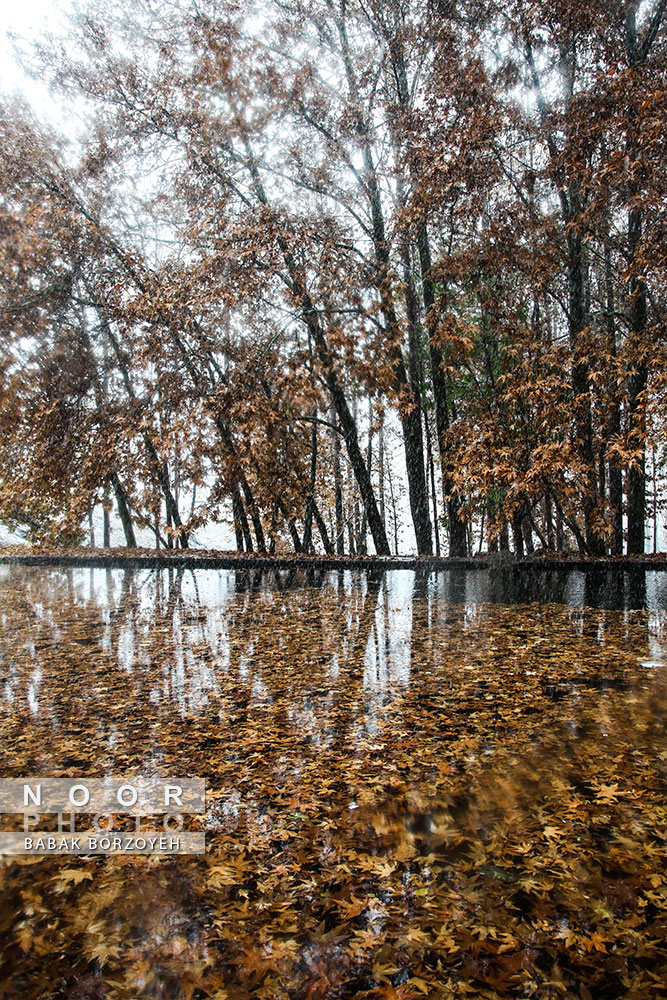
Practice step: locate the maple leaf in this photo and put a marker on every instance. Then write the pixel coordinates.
(607, 793)
(595, 942)
(73, 875)
(351, 908)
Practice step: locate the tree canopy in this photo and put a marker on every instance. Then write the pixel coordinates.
(303, 254)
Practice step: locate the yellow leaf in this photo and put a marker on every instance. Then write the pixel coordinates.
(75, 875)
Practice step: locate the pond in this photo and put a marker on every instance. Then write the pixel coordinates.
(417, 785)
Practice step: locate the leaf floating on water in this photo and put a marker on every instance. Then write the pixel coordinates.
(439, 800)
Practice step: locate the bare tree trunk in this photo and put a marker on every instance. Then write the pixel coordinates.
(410, 418)
(338, 495)
(381, 466)
(274, 527)
(637, 383)
(637, 51)
(306, 545)
(655, 500)
(412, 421)
(369, 461)
(241, 527)
(310, 317)
(571, 204)
(527, 533)
(291, 526)
(169, 526)
(578, 321)
(254, 514)
(481, 533)
(350, 529)
(549, 521)
(504, 538)
(431, 469)
(123, 511)
(106, 523)
(615, 479)
(322, 528)
(457, 529)
(392, 497)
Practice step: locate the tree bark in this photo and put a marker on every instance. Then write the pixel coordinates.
(322, 528)
(410, 407)
(106, 523)
(306, 545)
(637, 52)
(457, 529)
(615, 477)
(578, 321)
(310, 317)
(123, 511)
(241, 526)
(291, 526)
(458, 545)
(338, 495)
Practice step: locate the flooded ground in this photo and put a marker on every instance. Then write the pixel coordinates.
(438, 786)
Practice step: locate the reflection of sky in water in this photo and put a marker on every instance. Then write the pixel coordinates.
(339, 719)
(182, 635)
(215, 588)
(33, 690)
(388, 650)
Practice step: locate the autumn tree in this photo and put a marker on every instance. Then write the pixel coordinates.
(292, 226)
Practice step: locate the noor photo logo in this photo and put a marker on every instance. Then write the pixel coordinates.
(101, 799)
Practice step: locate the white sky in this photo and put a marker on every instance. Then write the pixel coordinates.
(28, 19)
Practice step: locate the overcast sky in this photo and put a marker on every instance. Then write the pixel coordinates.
(29, 19)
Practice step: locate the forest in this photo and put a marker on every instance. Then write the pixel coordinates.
(318, 268)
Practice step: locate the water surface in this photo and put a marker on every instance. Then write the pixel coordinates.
(434, 785)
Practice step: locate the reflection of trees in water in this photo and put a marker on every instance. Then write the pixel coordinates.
(300, 698)
(135, 643)
(319, 651)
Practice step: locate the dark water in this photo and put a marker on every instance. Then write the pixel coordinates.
(436, 785)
